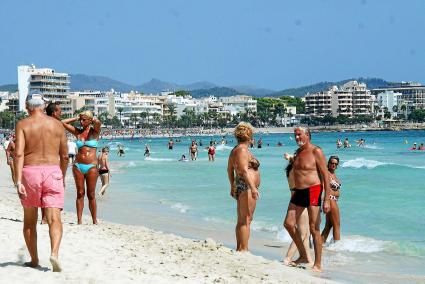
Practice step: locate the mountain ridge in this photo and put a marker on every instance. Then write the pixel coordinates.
(81, 82)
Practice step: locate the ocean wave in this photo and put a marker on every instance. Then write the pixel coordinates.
(283, 236)
(371, 164)
(263, 227)
(357, 243)
(180, 207)
(222, 147)
(363, 163)
(159, 159)
(374, 147)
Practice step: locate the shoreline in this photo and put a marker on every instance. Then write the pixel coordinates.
(111, 252)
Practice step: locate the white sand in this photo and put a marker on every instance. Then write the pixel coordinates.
(119, 253)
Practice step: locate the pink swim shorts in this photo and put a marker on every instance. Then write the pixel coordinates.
(44, 186)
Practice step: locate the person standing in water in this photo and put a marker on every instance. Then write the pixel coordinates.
(193, 150)
(85, 166)
(211, 152)
(170, 144)
(311, 176)
(333, 216)
(103, 168)
(302, 222)
(244, 178)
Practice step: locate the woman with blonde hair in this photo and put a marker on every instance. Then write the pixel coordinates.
(85, 167)
(244, 179)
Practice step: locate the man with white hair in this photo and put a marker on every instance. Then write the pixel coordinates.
(310, 178)
(41, 160)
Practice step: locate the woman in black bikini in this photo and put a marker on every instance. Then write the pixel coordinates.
(333, 217)
(103, 167)
(244, 178)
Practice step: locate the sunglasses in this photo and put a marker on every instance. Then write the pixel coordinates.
(332, 163)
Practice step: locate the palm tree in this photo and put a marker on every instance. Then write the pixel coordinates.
(143, 116)
(134, 118)
(120, 110)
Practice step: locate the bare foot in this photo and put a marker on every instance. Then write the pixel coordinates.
(316, 268)
(301, 260)
(287, 261)
(32, 264)
(55, 263)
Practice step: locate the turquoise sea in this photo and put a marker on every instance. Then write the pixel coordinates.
(382, 199)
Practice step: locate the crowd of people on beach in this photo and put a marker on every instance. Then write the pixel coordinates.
(39, 154)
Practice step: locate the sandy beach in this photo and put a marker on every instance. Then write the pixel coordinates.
(120, 253)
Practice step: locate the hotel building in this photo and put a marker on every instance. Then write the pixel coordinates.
(52, 85)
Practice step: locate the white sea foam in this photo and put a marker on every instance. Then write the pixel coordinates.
(371, 164)
(222, 147)
(261, 226)
(283, 236)
(363, 163)
(131, 164)
(180, 207)
(357, 243)
(372, 146)
(159, 159)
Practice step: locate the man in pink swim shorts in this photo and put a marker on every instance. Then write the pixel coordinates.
(41, 160)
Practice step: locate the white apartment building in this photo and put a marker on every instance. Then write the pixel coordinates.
(350, 99)
(389, 100)
(412, 95)
(239, 104)
(54, 86)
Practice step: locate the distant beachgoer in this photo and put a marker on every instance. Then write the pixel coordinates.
(183, 159)
(421, 147)
(10, 157)
(41, 161)
(200, 143)
(85, 166)
(120, 150)
(147, 151)
(104, 171)
(310, 177)
(361, 142)
(346, 143)
(338, 143)
(244, 178)
(193, 150)
(279, 144)
(170, 144)
(413, 147)
(260, 143)
(333, 216)
(211, 152)
(72, 150)
(302, 222)
(54, 110)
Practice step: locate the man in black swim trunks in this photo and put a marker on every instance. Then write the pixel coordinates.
(310, 177)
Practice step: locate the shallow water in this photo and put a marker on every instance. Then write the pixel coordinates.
(382, 198)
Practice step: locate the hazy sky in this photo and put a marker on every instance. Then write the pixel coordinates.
(272, 44)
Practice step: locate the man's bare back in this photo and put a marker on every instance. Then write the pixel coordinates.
(45, 140)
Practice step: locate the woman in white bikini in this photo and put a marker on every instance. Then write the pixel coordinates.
(333, 217)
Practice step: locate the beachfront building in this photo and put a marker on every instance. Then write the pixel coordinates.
(350, 99)
(54, 86)
(388, 101)
(412, 95)
(239, 104)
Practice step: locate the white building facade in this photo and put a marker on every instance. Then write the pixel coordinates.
(54, 86)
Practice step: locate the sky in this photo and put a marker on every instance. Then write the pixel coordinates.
(274, 44)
